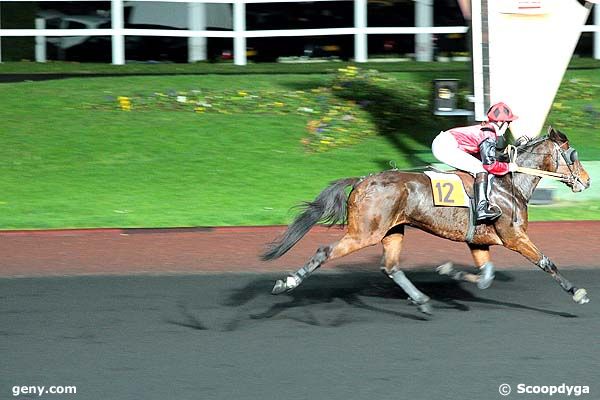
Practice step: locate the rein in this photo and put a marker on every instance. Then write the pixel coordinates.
(512, 155)
(542, 173)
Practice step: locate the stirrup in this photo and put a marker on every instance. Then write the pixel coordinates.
(490, 213)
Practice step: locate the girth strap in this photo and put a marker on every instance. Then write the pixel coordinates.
(472, 221)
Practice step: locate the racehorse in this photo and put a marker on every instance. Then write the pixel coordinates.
(379, 206)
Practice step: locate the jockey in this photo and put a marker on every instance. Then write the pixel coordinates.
(459, 148)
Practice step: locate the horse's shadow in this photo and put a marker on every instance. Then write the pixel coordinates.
(336, 299)
(333, 299)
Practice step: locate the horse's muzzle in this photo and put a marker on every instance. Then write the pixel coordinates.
(577, 185)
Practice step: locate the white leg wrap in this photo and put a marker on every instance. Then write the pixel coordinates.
(417, 296)
(291, 282)
(486, 275)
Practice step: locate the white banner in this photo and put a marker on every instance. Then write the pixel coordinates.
(530, 45)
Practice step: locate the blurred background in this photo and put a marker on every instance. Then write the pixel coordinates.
(163, 142)
(301, 15)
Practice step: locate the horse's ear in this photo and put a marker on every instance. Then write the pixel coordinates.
(557, 136)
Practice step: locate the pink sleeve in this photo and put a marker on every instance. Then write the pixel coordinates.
(497, 168)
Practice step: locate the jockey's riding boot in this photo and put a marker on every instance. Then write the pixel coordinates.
(483, 210)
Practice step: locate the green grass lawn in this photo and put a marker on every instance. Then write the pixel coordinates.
(71, 159)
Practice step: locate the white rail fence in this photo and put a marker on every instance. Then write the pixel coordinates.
(239, 34)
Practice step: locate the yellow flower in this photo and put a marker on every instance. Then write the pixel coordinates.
(124, 103)
(242, 93)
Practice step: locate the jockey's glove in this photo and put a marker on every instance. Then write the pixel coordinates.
(523, 140)
(512, 167)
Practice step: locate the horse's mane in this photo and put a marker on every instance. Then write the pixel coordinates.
(534, 142)
(553, 134)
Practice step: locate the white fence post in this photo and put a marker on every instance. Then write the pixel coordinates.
(118, 39)
(0, 35)
(197, 22)
(423, 41)
(597, 33)
(239, 29)
(477, 55)
(40, 41)
(360, 37)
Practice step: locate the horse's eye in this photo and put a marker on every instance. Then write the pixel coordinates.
(574, 157)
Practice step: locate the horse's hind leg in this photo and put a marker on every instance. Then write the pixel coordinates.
(344, 246)
(481, 258)
(392, 247)
(292, 281)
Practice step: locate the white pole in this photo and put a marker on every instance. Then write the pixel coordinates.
(597, 33)
(0, 36)
(197, 22)
(118, 39)
(239, 28)
(423, 41)
(40, 41)
(360, 37)
(477, 36)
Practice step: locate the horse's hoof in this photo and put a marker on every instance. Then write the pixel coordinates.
(423, 305)
(425, 308)
(445, 269)
(290, 283)
(280, 287)
(484, 283)
(580, 297)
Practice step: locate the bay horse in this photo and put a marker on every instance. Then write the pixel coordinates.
(379, 206)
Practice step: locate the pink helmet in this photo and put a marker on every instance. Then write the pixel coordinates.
(500, 112)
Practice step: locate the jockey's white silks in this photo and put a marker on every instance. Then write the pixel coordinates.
(445, 148)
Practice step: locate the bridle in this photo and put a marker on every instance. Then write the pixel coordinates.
(569, 156)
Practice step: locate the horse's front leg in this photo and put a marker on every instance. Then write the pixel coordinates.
(523, 245)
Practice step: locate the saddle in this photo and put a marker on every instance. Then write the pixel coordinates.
(454, 189)
(451, 188)
(468, 181)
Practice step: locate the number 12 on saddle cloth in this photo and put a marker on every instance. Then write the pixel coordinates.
(447, 189)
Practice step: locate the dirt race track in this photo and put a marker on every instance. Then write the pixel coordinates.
(132, 314)
(237, 249)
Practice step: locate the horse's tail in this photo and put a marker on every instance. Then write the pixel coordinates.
(329, 207)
